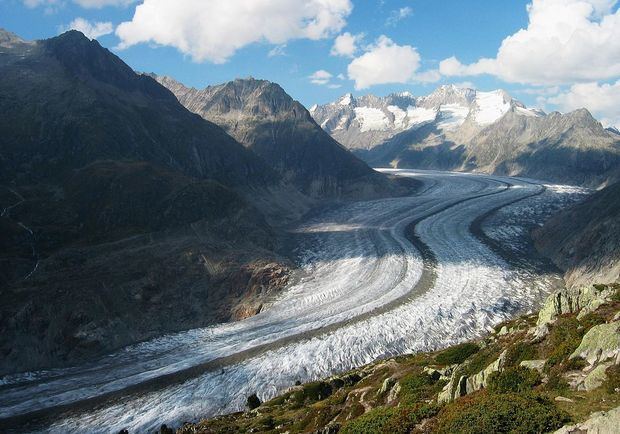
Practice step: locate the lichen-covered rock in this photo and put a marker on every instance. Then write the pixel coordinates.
(535, 365)
(394, 393)
(479, 381)
(448, 392)
(595, 378)
(570, 300)
(466, 385)
(600, 343)
(387, 385)
(602, 422)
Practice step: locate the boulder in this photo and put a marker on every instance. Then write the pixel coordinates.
(535, 365)
(466, 385)
(595, 378)
(569, 300)
(480, 380)
(602, 422)
(600, 343)
(393, 393)
(387, 385)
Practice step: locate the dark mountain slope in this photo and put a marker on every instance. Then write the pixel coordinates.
(123, 216)
(263, 117)
(583, 240)
(69, 102)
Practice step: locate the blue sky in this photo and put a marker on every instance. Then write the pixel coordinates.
(410, 39)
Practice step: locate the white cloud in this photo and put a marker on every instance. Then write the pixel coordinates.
(397, 15)
(540, 91)
(91, 30)
(345, 45)
(320, 77)
(386, 62)
(601, 99)
(566, 41)
(215, 30)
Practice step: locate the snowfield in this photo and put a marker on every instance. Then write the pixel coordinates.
(363, 291)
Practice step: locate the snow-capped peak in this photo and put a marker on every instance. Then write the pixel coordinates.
(346, 99)
(490, 106)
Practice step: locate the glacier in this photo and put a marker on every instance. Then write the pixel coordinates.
(363, 291)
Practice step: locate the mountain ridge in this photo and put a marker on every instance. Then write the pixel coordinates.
(262, 116)
(465, 129)
(124, 216)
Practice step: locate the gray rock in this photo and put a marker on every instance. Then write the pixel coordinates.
(536, 365)
(602, 422)
(595, 378)
(600, 343)
(570, 300)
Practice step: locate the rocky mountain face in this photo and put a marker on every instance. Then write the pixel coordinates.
(123, 215)
(465, 129)
(263, 117)
(583, 240)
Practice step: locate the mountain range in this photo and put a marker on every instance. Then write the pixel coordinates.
(265, 119)
(125, 216)
(464, 129)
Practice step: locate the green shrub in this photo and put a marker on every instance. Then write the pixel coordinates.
(519, 352)
(481, 359)
(564, 338)
(574, 364)
(372, 422)
(556, 381)
(312, 392)
(590, 320)
(457, 354)
(416, 387)
(613, 379)
(253, 402)
(405, 419)
(514, 379)
(508, 413)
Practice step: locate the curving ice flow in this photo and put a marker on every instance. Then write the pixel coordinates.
(363, 291)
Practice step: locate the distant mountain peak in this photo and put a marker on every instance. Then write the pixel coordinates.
(346, 99)
(10, 41)
(613, 130)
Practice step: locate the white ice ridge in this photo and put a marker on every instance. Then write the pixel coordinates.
(490, 106)
(357, 259)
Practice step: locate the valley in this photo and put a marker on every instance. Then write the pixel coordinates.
(375, 279)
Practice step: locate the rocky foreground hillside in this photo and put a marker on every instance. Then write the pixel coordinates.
(263, 117)
(464, 129)
(557, 371)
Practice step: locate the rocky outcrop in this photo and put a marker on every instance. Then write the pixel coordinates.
(572, 300)
(600, 343)
(602, 422)
(535, 365)
(461, 385)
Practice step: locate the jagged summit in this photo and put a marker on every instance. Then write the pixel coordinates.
(263, 117)
(364, 121)
(467, 129)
